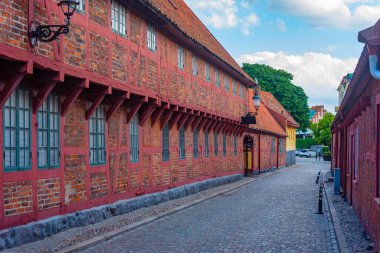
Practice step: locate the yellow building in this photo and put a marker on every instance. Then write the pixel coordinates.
(286, 121)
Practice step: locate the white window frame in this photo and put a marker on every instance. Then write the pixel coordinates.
(182, 143)
(80, 7)
(181, 57)
(118, 18)
(97, 135)
(226, 84)
(217, 78)
(151, 38)
(195, 65)
(207, 72)
(134, 138)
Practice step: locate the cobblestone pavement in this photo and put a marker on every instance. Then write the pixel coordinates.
(356, 237)
(276, 214)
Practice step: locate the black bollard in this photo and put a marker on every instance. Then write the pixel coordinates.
(319, 174)
(320, 199)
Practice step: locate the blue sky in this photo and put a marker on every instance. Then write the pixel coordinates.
(316, 41)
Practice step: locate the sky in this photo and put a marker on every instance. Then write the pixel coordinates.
(316, 41)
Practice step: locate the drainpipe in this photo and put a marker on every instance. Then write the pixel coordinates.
(373, 61)
(259, 149)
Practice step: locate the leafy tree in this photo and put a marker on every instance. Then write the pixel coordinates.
(305, 143)
(322, 129)
(279, 83)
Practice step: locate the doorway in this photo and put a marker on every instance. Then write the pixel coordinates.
(248, 156)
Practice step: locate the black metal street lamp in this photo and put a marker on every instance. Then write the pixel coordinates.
(48, 33)
(257, 99)
(250, 118)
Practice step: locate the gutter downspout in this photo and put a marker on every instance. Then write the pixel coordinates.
(373, 61)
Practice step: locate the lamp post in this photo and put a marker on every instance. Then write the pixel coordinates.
(256, 99)
(48, 33)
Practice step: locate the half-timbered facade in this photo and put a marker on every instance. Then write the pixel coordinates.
(138, 97)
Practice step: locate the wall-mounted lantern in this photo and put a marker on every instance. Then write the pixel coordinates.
(48, 33)
(250, 118)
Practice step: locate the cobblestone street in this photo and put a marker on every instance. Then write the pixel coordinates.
(276, 214)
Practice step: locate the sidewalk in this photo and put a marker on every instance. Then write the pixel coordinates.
(76, 239)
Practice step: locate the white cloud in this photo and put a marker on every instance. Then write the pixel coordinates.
(332, 13)
(249, 21)
(281, 25)
(244, 4)
(318, 74)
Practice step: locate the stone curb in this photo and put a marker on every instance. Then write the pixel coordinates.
(342, 242)
(108, 236)
(39, 230)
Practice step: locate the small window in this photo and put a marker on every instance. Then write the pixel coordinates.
(118, 18)
(226, 84)
(151, 38)
(224, 145)
(207, 149)
(273, 145)
(17, 131)
(195, 143)
(195, 65)
(217, 78)
(235, 145)
(216, 151)
(181, 57)
(241, 91)
(98, 136)
(80, 6)
(207, 72)
(48, 133)
(282, 146)
(165, 143)
(182, 150)
(356, 153)
(134, 139)
(234, 87)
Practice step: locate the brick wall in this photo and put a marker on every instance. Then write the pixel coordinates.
(17, 198)
(48, 193)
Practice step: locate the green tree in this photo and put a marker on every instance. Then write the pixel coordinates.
(322, 129)
(279, 83)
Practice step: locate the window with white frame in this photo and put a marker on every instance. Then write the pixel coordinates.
(181, 57)
(241, 91)
(48, 133)
(80, 6)
(226, 84)
(234, 87)
(273, 145)
(118, 17)
(195, 65)
(165, 143)
(151, 38)
(235, 145)
(17, 131)
(134, 139)
(207, 149)
(216, 144)
(182, 149)
(224, 145)
(217, 78)
(207, 72)
(98, 136)
(195, 143)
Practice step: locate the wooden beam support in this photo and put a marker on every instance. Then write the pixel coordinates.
(146, 114)
(224, 127)
(42, 95)
(157, 114)
(218, 130)
(166, 117)
(207, 124)
(216, 127)
(116, 105)
(97, 101)
(212, 125)
(73, 95)
(202, 123)
(189, 121)
(10, 87)
(182, 120)
(195, 123)
(237, 129)
(174, 119)
(135, 108)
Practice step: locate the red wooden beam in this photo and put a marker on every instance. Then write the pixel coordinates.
(233, 129)
(242, 131)
(202, 123)
(146, 114)
(136, 107)
(10, 87)
(157, 114)
(237, 129)
(73, 95)
(216, 126)
(116, 105)
(212, 125)
(97, 101)
(42, 94)
(208, 123)
(221, 126)
(174, 119)
(224, 127)
(182, 120)
(189, 121)
(195, 123)
(166, 117)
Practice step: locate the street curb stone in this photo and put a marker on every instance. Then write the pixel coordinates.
(39, 230)
(342, 242)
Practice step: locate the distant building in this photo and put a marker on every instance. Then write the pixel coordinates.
(343, 86)
(316, 113)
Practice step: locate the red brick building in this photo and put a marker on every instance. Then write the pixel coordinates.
(138, 97)
(356, 137)
(269, 139)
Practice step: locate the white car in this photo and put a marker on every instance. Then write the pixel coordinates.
(307, 153)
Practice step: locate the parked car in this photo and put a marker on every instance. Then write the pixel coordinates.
(307, 153)
(298, 150)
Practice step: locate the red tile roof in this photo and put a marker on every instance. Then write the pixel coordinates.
(272, 103)
(264, 120)
(185, 20)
